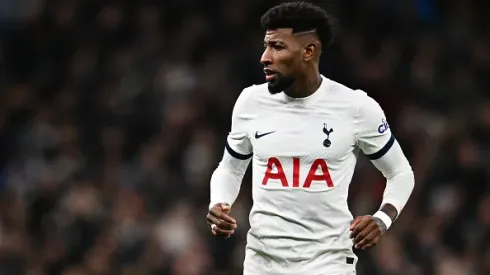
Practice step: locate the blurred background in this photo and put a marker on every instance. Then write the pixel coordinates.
(113, 115)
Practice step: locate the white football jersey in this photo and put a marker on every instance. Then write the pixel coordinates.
(304, 152)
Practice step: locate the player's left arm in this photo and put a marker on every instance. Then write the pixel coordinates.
(376, 140)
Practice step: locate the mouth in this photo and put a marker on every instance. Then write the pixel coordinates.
(269, 74)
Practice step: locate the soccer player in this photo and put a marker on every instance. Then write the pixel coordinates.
(304, 133)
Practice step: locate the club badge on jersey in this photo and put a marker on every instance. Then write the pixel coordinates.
(327, 132)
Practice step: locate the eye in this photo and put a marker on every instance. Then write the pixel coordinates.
(277, 47)
(274, 46)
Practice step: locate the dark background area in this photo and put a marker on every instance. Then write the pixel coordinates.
(113, 115)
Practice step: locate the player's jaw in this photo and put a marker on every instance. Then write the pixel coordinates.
(277, 82)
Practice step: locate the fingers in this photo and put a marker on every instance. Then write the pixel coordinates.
(369, 227)
(221, 224)
(221, 233)
(217, 212)
(225, 208)
(221, 227)
(365, 233)
(362, 222)
(369, 241)
(354, 223)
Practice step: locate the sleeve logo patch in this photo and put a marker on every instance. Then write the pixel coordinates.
(383, 127)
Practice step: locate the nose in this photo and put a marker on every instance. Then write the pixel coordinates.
(266, 57)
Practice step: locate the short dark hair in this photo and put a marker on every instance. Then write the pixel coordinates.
(300, 16)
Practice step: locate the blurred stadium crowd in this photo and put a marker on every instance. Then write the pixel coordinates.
(113, 115)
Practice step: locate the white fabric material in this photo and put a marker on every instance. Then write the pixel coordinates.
(227, 179)
(400, 178)
(384, 218)
(304, 155)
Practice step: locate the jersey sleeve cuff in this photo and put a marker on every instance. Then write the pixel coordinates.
(383, 150)
(236, 154)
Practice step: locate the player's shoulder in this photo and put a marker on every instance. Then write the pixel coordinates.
(248, 98)
(357, 98)
(348, 93)
(253, 94)
(254, 89)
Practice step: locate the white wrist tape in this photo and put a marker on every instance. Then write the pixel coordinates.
(384, 218)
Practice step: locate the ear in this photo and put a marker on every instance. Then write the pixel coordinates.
(310, 51)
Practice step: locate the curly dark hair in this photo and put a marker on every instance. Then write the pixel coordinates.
(300, 16)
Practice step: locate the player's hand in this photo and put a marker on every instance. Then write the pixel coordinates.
(366, 231)
(220, 222)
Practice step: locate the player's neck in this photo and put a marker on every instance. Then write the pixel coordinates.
(305, 87)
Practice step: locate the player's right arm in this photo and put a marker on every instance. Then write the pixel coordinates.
(227, 177)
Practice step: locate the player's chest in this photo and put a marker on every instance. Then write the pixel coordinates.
(324, 135)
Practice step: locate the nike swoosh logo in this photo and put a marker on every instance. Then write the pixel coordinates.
(257, 135)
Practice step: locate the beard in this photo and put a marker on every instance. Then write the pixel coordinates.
(280, 83)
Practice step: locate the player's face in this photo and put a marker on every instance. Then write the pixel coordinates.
(281, 59)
